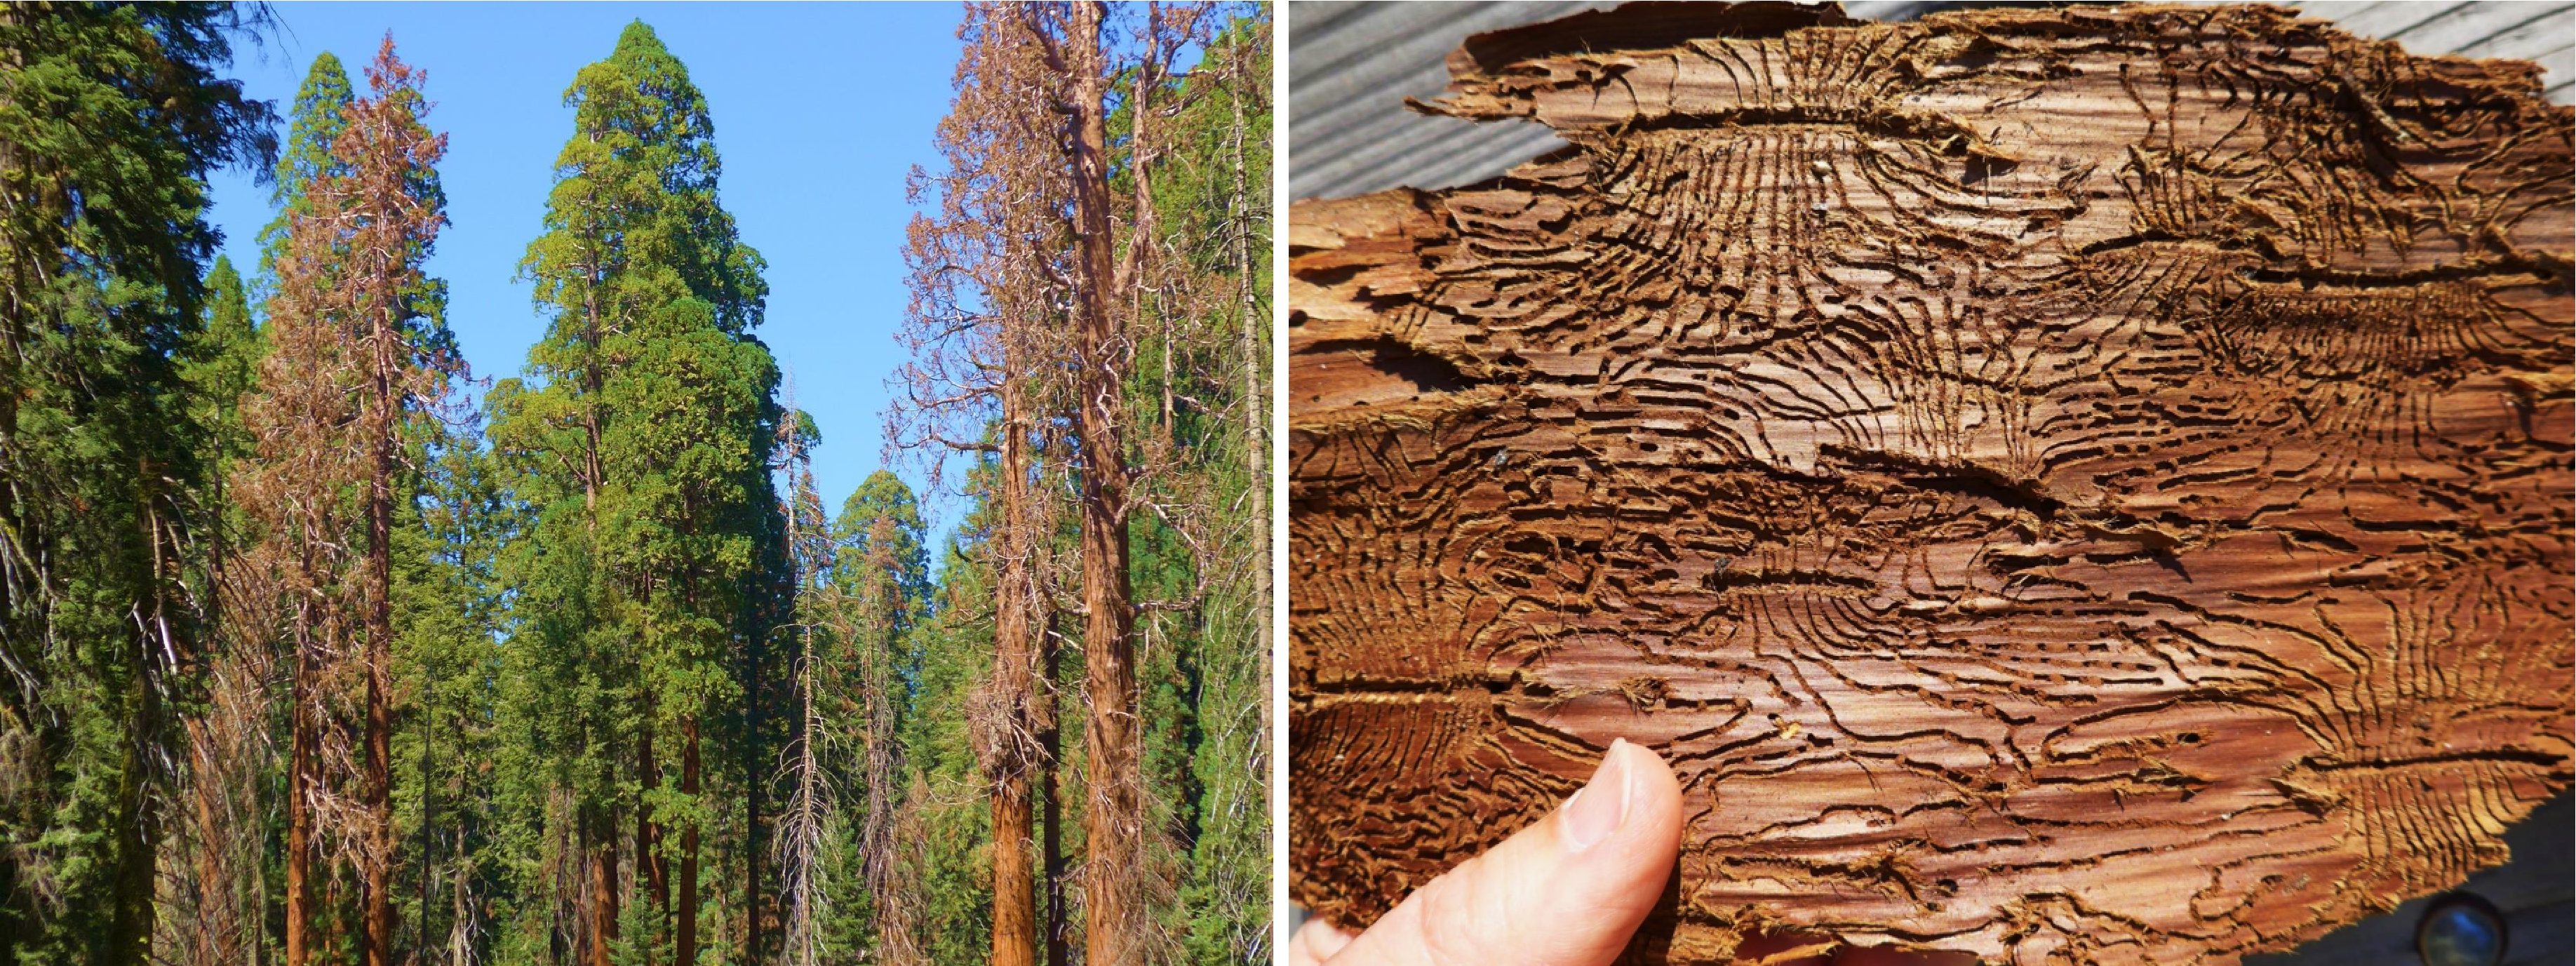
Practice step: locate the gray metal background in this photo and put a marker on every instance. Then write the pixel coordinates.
(1352, 64)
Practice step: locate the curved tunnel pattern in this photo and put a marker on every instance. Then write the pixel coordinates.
(2076, 485)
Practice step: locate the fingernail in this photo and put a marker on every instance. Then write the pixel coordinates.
(1596, 810)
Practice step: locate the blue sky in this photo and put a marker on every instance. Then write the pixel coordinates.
(820, 110)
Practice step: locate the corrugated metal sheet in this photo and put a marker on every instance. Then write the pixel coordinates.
(1352, 64)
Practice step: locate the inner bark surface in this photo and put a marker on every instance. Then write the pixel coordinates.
(2086, 483)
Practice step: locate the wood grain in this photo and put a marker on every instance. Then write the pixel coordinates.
(2059, 484)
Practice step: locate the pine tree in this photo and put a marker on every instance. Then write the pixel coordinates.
(394, 203)
(941, 907)
(221, 365)
(315, 122)
(865, 593)
(116, 116)
(809, 818)
(692, 441)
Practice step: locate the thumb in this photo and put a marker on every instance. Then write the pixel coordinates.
(1566, 891)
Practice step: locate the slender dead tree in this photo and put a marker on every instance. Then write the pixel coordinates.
(881, 610)
(805, 818)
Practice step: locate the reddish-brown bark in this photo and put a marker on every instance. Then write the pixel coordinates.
(300, 788)
(2056, 483)
(684, 948)
(1113, 819)
(1016, 677)
(1014, 893)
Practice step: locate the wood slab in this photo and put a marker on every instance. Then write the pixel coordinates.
(2082, 485)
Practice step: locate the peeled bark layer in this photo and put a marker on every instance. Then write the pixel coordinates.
(2079, 483)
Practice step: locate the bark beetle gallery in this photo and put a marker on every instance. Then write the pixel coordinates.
(2054, 482)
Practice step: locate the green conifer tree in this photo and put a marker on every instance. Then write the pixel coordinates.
(647, 447)
(115, 115)
(314, 122)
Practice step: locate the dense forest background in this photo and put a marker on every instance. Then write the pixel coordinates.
(306, 658)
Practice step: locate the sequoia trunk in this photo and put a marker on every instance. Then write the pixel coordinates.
(1014, 899)
(1014, 896)
(377, 864)
(300, 785)
(685, 945)
(1112, 823)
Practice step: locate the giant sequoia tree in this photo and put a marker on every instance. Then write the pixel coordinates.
(1089, 339)
(645, 445)
(984, 329)
(1109, 288)
(359, 355)
(2085, 483)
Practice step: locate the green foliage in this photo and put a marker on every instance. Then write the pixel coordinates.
(884, 496)
(450, 613)
(688, 505)
(642, 441)
(221, 365)
(101, 249)
(642, 170)
(314, 123)
(605, 558)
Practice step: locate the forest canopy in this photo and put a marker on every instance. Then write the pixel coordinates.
(318, 646)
